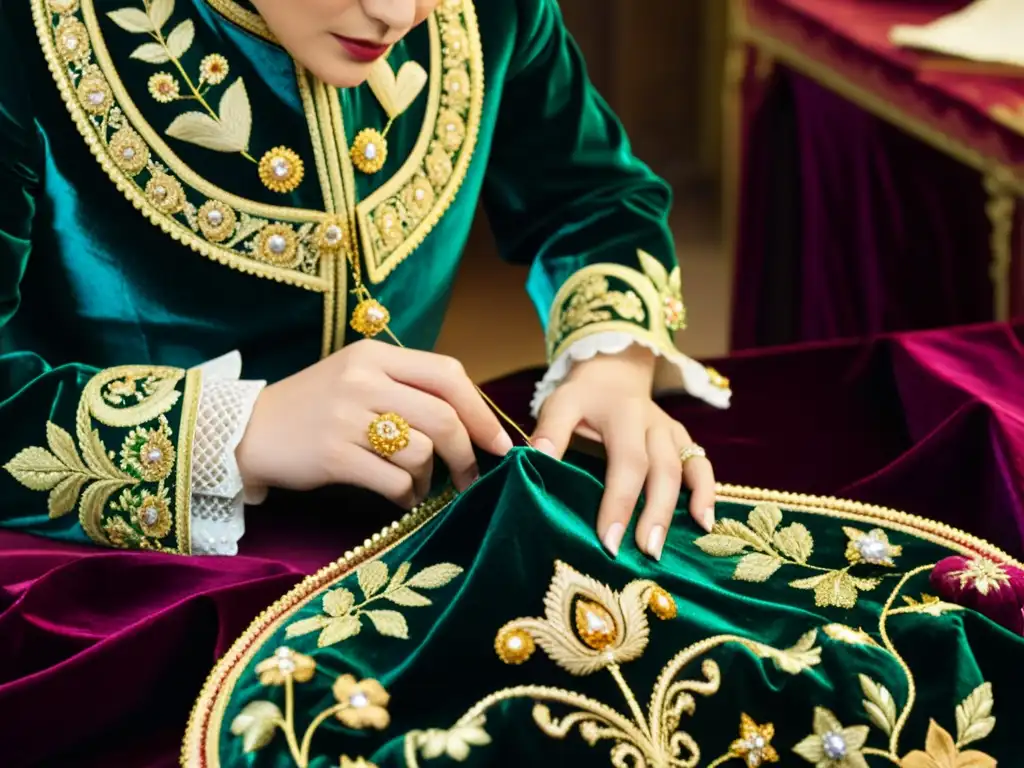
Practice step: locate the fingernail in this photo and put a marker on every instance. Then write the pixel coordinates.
(503, 444)
(613, 538)
(656, 542)
(546, 447)
(708, 519)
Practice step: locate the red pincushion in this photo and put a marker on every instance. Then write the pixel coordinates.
(992, 589)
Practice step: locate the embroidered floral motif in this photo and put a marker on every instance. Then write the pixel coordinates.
(793, 545)
(872, 547)
(754, 746)
(281, 170)
(278, 244)
(587, 629)
(593, 301)
(942, 752)
(981, 575)
(454, 743)
(369, 150)
(832, 745)
(94, 93)
(333, 236)
(165, 193)
(72, 40)
(418, 197)
(213, 69)
(669, 287)
(363, 703)
(129, 150)
(285, 665)
(82, 473)
(164, 87)
(216, 221)
(342, 617)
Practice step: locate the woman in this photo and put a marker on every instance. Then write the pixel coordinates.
(294, 181)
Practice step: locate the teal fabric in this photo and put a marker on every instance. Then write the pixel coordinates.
(778, 618)
(87, 283)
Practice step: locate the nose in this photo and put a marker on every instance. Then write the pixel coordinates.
(396, 15)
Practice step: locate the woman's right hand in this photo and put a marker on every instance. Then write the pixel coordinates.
(311, 429)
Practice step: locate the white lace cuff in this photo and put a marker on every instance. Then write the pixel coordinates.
(218, 505)
(675, 372)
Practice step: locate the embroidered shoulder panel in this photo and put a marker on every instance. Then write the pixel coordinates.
(613, 297)
(398, 216)
(137, 498)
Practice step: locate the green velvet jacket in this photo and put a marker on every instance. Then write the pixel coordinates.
(175, 187)
(496, 631)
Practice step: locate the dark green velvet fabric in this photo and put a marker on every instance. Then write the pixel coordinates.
(504, 538)
(86, 282)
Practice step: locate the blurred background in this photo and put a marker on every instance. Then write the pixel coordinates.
(659, 65)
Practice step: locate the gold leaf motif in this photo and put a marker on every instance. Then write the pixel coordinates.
(795, 542)
(974, 719)
(801, 656)
(408, 598)
(64, 496)
(764, 519)
(756, 567)
(181, 38)
(929, 604)
(372, 578)
(654, 269)
(305, 626)
(848, 635)
(160, 12)
(454, 743)
(37, 469)
(132, 20)
(151, 53)
(338, 630)
(401, 574)
(837, 589)
(396, 92)
(435, 576)
(389, 623)
(256, 724)
(721, 545)
(229, 133)
(879, 704)
(338, 602)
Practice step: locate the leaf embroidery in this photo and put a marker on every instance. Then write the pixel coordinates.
(974, 719)
(803, 655)
(256, 724)
(879, 704)
(849, 635)
(774, 546)
(342, 614)
(227, 132)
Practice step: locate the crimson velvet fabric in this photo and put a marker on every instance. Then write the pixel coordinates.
(102, 653)
(848, 226)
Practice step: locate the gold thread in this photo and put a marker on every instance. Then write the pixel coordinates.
(247, 20)
(186, 438)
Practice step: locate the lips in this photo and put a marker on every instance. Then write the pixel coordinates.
(361, 50)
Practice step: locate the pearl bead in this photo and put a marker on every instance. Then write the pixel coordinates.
(333, 234)
(834, 745)
(150, 515)
(280, 167)
(154, 455)
(71, 42)
(96, 98)
(160, 191)
(215, 217)
(420, 194)
(277, 243)
(370, 153)
(358, 700)
(128, 153)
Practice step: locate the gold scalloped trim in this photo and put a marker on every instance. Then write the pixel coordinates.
(198, 749)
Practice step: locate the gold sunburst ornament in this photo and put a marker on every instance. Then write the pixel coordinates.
(396, 92)
(281, 170)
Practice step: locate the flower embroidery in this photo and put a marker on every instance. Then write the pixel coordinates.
(418, 197)
(164, 87)
(213, 69)
(454, 743)
(284, 665)
(754, 746)
(94, 93)
(942, 752)
(332, 235)
(281, 170)
(152, 514)
(831, 745)
(72, 40)
(148, 454)
(456, 89)
(369, 150)
(981, 575)
(165, 193)
(451, 130)
(389, 225)
(278, 244)
(365, 703)
(129, 150)
(216, 221)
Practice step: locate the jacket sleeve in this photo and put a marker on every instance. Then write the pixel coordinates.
(87, 454)
(565, 194)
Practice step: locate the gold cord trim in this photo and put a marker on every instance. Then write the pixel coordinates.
(247, 20)
(186, 439)
(201, 739)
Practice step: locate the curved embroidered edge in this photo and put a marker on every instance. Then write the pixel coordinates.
(696, 379)
(247, 20)
(42, 17)
(379, 267)
(199, 750)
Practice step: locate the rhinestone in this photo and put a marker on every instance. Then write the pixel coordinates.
(370, 153)
(160, 191)
(450, 127)
(595, 623)
(456, 87)
(515, 643)
(280, 167)
(420, 194)
(215, 217)
(96, 98)
(389, 222)
(71, 42)
(286, 665)
(872, 550)
(154, 455)
(387, 429)
(128, 153)
(358, 700)
(150, 515)
(375, 314)
(333, 234)
(758, 742)
(277, 243)
(834, 745)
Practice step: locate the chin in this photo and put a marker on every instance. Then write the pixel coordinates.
(340, 73)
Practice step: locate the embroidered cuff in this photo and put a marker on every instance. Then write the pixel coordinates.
(218, 506)
(675, 372)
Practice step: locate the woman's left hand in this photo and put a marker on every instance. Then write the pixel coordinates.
(608, 399)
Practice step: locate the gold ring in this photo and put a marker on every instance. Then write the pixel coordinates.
(692, 451)
(388, 434)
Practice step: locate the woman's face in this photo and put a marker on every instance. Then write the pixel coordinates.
(338, 40)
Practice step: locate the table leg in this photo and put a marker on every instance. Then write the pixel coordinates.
(1000, 208)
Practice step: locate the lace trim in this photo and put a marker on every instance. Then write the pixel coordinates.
(677, 372)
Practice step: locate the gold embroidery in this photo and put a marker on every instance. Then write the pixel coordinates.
(370, 318)
(216, 221)
(164, 88)
(942, 752)
(213, 69)
(879, 704)
(670, 289)
(361, 705)
(793, 545)
(844, 634)
(342, 615)
(753, 747)
(831, 745)
(202, 738)
(281, 170)
(454, 743)
(610, 629)
(982, 575)
(278, 244)
(593, 302)
(369, 150)
(84, 474)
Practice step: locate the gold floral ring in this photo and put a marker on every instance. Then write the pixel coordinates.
(692, 451)
(388, 434)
